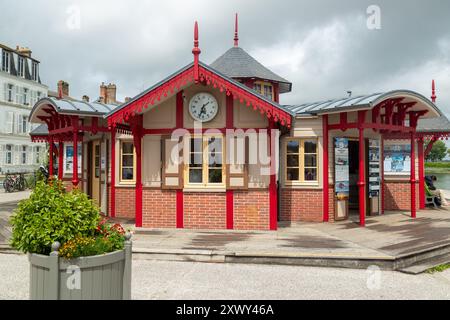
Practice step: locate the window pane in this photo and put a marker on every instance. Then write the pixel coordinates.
(292, 174)
(292, 146)
(215, 176)
(127, 173)
(196, 145)
(214, 144)
(292, 160)
(310, 160)
(215, 160)
(127, 147)
(310, 174)
(97, 172)
(196, 160)
(310, 146)
(195, 176)
(127, 161)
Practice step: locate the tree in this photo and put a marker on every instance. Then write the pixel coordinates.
(438, 152)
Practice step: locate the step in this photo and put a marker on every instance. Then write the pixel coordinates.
(423, 266)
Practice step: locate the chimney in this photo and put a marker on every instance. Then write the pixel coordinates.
(102, 92)
(111, 93)
(85, 98)
(24, 51)
(127, 99)
(63, 89)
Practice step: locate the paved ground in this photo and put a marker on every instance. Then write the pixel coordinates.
(8, 202)
(190, 280)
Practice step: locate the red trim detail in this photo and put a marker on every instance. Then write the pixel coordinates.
(75, 179)
(180, 209)
(362, 181)
(325, 169)
(136, 128)
(230, 209)
(60, 160)
(196, 52)
(236, 32)
(273, 201)
(179, 107)
(413, 176)
(421, 174)
(382, 175)
(50, 156)
(113, 173)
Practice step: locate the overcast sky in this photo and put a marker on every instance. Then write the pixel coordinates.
(324, 47)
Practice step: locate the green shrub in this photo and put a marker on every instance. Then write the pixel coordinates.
(52, 214)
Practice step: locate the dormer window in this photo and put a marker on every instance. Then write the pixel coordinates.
(264, 88)
(21, 67)
(5, 60)
(35, 71)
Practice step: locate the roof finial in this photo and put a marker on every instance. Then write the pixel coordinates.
(236, 36)
(196, 51)
(433, 91)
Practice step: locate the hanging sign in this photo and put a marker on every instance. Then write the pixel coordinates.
(374, 168)
(341, 167)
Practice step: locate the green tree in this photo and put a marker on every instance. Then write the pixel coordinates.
(438, 152)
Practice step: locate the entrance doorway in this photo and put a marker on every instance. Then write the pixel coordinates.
(94, 171)
(353, 164)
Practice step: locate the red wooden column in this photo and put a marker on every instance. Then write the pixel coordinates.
(421, 174)
(362, 181)
(413, 176)
(137, 137)
(273, 197)
(112, 196)
(382, 174)
(50, 156)
(75, 179)
(325, 165)
(180, 194)
(230, 193)
(60, 159)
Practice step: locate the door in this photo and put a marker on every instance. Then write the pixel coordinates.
(95, 178)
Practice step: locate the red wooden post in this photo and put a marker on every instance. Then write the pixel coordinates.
(325, 165)
(421, 174)
(230, 193)
(273, 201)
(413, 177)
(362, 181)
(50, 156)
(137, 136)
(60, 159)
(75, 179)
(180, 195)
(113, 173)
(382, 174)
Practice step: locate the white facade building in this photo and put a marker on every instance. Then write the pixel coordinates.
(20, 89)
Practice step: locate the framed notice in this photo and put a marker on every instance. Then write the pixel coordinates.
(341, 167)
(68, 159)
(374, 168)
(397, 159)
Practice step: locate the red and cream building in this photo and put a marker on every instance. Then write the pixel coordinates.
(212, 147)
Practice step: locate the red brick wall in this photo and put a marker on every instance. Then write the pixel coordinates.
(302, 205)
(251, 210)
(397, 195)
(205, 210)
(331, 203)
(159, 208)
(125, 202)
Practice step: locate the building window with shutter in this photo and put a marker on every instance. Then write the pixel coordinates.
(24, 155)
(25, 96)
(38, 155)
(21, 67)
(10, 122)
(205, 166)
(5, 61)
(301, 160)
(24, 125)
(127, 162)
(9, 92)
(8, 154)
(35, 71)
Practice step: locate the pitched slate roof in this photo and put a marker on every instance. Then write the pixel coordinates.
(349, 103)
(237, 63)
(41, 130)
(76, 107)
(441, 124)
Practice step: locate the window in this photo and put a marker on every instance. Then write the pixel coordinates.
(25, 96)
(24, 126)
(205, 167)
(97, 161)
(5, 61)
(264, 88)
(8, 154)
(38, 155)
(24, 154)
(301, 160)
(35, 71)
(9, 92)
(127, 161)
(20, 67)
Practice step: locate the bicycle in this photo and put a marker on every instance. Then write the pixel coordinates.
(15, 182)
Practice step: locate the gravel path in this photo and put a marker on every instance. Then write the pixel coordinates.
(189, 280)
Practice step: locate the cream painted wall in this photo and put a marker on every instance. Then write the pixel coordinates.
(151, 166)
(161, 116)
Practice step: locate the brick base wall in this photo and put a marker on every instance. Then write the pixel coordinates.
(397, 195)
(302, 205)
(159, 208)
(205, 210)
(251, 210)
(125, 202)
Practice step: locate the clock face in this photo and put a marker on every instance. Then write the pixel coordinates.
(203, 107)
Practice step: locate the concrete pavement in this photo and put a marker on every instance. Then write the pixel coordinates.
(196, 281)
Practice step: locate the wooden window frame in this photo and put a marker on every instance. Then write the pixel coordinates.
(261, 91)
(301, 165)
(205, 165)
(121, 154)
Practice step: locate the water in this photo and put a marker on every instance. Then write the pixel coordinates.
(443, 181)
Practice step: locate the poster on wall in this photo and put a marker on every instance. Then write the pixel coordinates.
(341, 167)
(68, 159)
(374, 168)
(397, 159)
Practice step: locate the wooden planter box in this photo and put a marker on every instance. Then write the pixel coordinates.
(102, 277)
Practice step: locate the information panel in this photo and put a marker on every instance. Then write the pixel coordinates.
(374, 168)
(341, 167)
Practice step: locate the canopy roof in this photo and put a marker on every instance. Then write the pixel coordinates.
(237, 63)
(441, 124)
(365, 102)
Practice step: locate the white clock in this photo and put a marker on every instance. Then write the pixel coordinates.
(203, 107)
